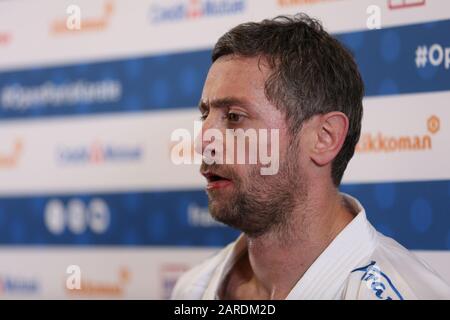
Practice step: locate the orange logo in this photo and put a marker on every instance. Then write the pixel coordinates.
(102, 288)
(10, 159)
(401, 4)
(91, 24)
(380, 142)
(433, 124)
(5, 38)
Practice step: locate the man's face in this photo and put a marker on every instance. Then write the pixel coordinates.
(239, 195)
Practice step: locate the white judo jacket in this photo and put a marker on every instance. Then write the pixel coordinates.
(360, 263)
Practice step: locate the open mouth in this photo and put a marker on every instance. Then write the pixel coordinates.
(215, 177)
(216, 181)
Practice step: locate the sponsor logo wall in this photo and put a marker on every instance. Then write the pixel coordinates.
(85, 124)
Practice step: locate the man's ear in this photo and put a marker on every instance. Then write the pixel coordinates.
(330, 133)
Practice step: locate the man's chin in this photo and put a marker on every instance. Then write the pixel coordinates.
(216, 207)
(219, 211)
(234, 221)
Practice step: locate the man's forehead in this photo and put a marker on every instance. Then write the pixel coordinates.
(240, 67)
(234, 77)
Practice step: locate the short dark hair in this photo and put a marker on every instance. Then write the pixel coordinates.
(311, 73)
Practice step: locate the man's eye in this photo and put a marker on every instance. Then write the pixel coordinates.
(234, 117)
(203, 116)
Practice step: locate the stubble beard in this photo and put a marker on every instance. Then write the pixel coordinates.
(258, 204)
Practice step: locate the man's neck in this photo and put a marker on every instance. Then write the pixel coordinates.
(274, 262)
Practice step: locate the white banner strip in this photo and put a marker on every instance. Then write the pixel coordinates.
(113, 29)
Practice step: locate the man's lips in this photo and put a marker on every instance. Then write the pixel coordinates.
(215, 181)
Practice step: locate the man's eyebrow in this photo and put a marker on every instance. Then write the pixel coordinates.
(223, 103)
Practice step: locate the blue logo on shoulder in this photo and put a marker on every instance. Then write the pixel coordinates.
(379, 282)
